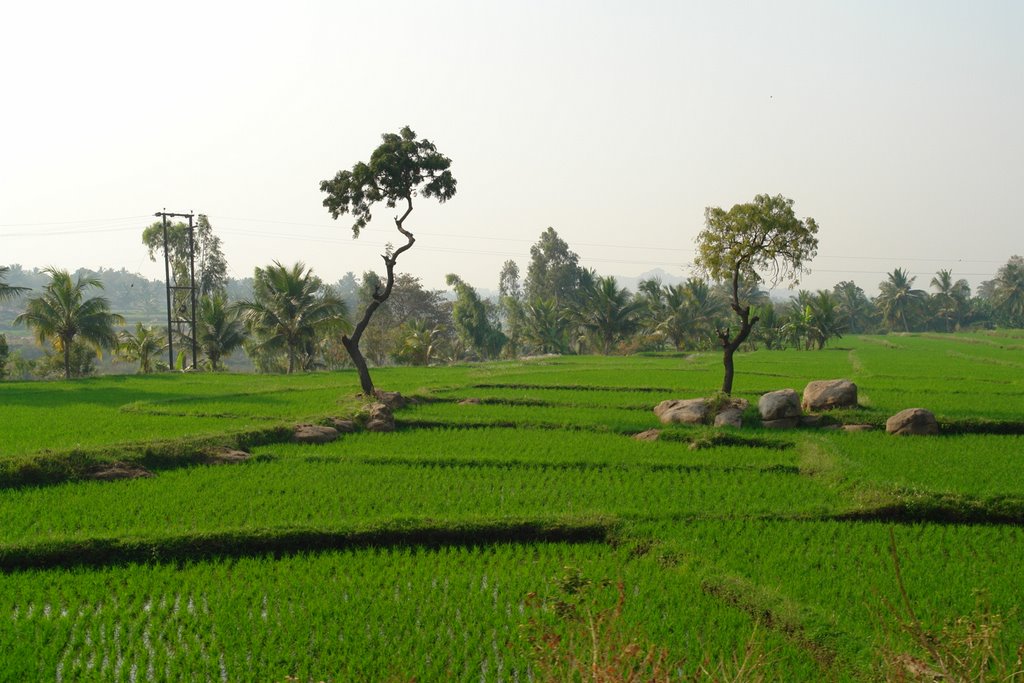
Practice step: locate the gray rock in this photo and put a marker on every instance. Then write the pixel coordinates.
(469, 402)
(912, 421)
(826, 394)
(858, 428)
(779, 405)
(729, 417)
(307, 433)
(692, 411)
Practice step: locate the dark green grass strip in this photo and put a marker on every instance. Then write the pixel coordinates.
(941, 509)
(100, 552)
(55, 467)
(574, 387)
(579, 465)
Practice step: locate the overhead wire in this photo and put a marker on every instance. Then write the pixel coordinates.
(127, 223)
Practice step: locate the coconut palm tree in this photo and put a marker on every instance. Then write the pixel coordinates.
(8, 292)
(142, 346)
(691, 313)
(951, 299)
(607, 313)
(1008, 292)
(855, 307)
(825, 319)
(422, 343)
(62, 314)
(219, 329)
(898, 301)
(546, 327)
(290, 308)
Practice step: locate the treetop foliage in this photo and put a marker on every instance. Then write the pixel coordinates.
(400, 168)
(760, 236)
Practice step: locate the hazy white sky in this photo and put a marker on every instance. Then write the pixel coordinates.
(896, 125)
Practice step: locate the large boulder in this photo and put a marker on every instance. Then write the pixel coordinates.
(692, 411)
(825, 394)
(912, 421)
(307, 433)
(779, 405)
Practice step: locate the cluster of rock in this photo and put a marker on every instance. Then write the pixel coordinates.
(698, 411)
(785, 409)
(379, 417)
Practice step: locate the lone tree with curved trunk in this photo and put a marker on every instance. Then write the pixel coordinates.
(750, 243)
(401, 168)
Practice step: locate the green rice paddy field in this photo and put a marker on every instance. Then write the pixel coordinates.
(519, 536)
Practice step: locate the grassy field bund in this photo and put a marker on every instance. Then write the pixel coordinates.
(512, 537)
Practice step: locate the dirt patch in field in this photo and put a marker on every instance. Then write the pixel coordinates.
(227, 456)
(119, 470)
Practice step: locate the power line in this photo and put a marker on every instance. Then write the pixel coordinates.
(87, 229)
(84, 220)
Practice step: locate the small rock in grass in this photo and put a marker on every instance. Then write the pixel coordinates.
(912, 421)
(343, 425)
(858, 428)
(830, 393)
(392, 399)
(307, 433)
(781, 423)
(779, 405)
(469, 402)
(224, 456)
(682, 411)
(648, 435)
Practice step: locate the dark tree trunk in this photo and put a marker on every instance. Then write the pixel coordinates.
(67, 358)
(730, 367)
(379, 297)
(352, 346)
(729, 345)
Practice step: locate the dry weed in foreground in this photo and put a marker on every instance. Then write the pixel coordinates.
(578, 634)
(966, 650)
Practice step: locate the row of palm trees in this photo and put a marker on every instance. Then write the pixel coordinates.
(282, 326)
(604, 317)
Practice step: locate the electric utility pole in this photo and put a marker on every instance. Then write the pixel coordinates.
(175, 321)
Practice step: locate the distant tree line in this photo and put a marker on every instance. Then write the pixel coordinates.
(286, 319)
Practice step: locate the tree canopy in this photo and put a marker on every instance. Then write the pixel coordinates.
(554, 270)
(211, 266)
(759, 241)
(401, 168)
